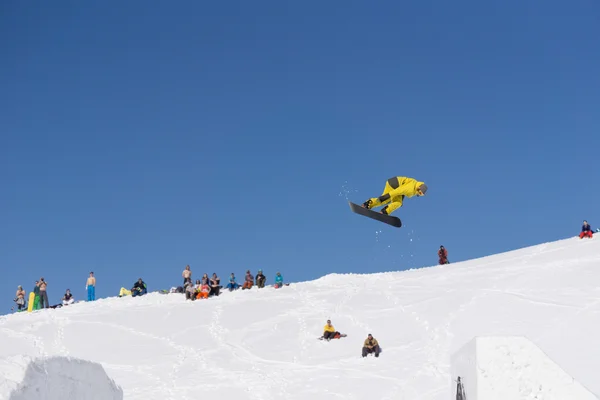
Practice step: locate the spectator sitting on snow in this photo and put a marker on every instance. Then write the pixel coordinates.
(190, 291)
(68, 298)
(249, 281)
(260, 279)
(205, 278)
(187, 274)
(586, 230)
(20, 298)
(278, 281)
(329, 332)
(215, 285)
(443, 255)
(232, 285)
(139, 288)
(203, 290)
(370, 346)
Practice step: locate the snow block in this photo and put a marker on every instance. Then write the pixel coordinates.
(512, 367)
(55, 378)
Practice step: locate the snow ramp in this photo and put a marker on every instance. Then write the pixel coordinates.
(511, 367)
(55, 378)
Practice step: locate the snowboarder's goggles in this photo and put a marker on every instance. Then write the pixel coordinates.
(420, 193)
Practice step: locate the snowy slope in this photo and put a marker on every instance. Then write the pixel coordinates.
(262, 344)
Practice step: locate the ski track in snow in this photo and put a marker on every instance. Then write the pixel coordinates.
(261, 344)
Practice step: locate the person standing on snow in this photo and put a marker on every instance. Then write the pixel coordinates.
(20, 298)
(36, 298)
(44, 303)
(90, 287)
(443, 255)
(395, 190)
(187, 274)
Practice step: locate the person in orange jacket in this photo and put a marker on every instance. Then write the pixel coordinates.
(395, 190)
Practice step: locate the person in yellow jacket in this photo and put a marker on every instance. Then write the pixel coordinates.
(329, 331)
(395, 190)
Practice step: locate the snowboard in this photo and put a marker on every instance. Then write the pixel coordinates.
(387, 219)
(341, 336)
(31, 301)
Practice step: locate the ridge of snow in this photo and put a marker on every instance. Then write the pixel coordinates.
(53, 378)
(261, 344)
(511, 367)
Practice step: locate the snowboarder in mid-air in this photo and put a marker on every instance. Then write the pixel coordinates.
(395, 190)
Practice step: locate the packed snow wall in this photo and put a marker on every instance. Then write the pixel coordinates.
(500, 368)
(55, 378)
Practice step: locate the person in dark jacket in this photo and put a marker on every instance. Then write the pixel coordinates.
(443, 255)
(586, 230)
(261, 279)
(215, 285)
(139, 288)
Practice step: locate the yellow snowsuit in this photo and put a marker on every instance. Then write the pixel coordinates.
(395, 190)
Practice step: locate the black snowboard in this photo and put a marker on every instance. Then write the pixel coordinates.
(387, 219)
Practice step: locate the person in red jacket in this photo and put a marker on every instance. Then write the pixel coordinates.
(586, 230)
(443, 255)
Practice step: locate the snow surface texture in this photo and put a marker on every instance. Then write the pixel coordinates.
(261, 344)
(55, 378)
(500, 368)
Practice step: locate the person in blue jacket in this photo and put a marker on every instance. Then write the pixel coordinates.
(278, 281)
(232, 285)
(586, 230)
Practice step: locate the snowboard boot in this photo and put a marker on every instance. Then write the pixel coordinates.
(367, 204)
(384, 210)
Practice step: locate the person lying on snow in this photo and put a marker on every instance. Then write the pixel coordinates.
(68, 298)
(443, 255)
(371, 346)
(329, 332)
(586, 230)
(139, 288)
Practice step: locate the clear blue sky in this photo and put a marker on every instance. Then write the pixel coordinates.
(138, 137)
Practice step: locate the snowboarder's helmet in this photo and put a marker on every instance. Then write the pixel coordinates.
(423, 189)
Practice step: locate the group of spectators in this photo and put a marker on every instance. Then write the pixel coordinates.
(202, 288)
(207, 287)
(40, 295)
